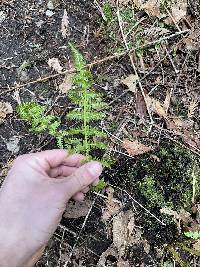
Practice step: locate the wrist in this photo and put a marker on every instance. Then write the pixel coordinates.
(12, 250)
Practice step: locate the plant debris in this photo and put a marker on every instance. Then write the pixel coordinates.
(130, 82)
(65, 30)
(5, 109)
(135, 148)
(77, 209)
(54, 63)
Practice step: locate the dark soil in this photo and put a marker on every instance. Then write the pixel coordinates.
(28, 34)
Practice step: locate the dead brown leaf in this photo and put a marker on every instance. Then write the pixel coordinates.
(66, 85)
(156, 107)
(140, 109)
(130, 82)
(184, 129)
(135, 148)
(125, 233)
(181, 216)
(5, 109)
(112, 205)
(179, 10)
(192, 108)
(192, 42)
(77, 209)
(54, 63)
(65, 25)
(196, 245)
(152, 8)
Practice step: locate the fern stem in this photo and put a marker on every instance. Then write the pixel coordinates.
(85, 121)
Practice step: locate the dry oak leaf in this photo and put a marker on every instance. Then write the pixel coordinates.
(130, 82)
(5, 109)
(135, 148)
(67, 84)
(54, 63)
(155, 106)
(112, 205)
(152, 8)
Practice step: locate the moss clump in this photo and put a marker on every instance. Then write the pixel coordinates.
(172, 172)
(152, 194)
(107, 11)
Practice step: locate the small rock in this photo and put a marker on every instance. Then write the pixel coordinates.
(39, 23)
(50, 5)
(49, 13)
(2, 16)
(13, 144)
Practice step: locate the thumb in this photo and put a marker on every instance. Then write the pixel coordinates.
(82, 177)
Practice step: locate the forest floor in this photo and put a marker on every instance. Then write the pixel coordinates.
(145, 60)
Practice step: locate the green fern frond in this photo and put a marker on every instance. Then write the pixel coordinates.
(191, 234)
(78, 115)
(86, 138)
(30, 110)
(91, 131)
(35, 114)
(101, 185)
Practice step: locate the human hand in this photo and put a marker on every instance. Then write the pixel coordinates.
(33, 198)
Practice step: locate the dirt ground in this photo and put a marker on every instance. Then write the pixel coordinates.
(148, 69)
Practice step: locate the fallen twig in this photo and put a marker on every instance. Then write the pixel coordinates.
(90, 65)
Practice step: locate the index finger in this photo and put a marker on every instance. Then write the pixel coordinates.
(56, 157)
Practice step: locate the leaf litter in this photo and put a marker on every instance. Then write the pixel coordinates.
(135, 148)
(77, 209)
(177, 9)
(5, 109)
(125, 233)
(54, 63)
(65, 30)
(67, 84)
(130, 82)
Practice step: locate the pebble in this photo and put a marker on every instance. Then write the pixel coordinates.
(49, 13)
(50, 5)
(13, 144)
(39, 23)
(2, 16)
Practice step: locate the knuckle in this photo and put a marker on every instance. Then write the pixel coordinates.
(80, 180)
(60, 171)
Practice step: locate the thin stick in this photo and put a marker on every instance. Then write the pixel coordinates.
(132, 62)
(91, 65)
(78, 237)
(141, 206)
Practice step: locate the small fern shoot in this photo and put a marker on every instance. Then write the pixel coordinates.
(193, 234)
(87, 137)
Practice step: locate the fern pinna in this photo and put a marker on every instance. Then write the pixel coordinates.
(86, 137)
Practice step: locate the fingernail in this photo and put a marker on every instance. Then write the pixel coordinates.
(95, 168)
